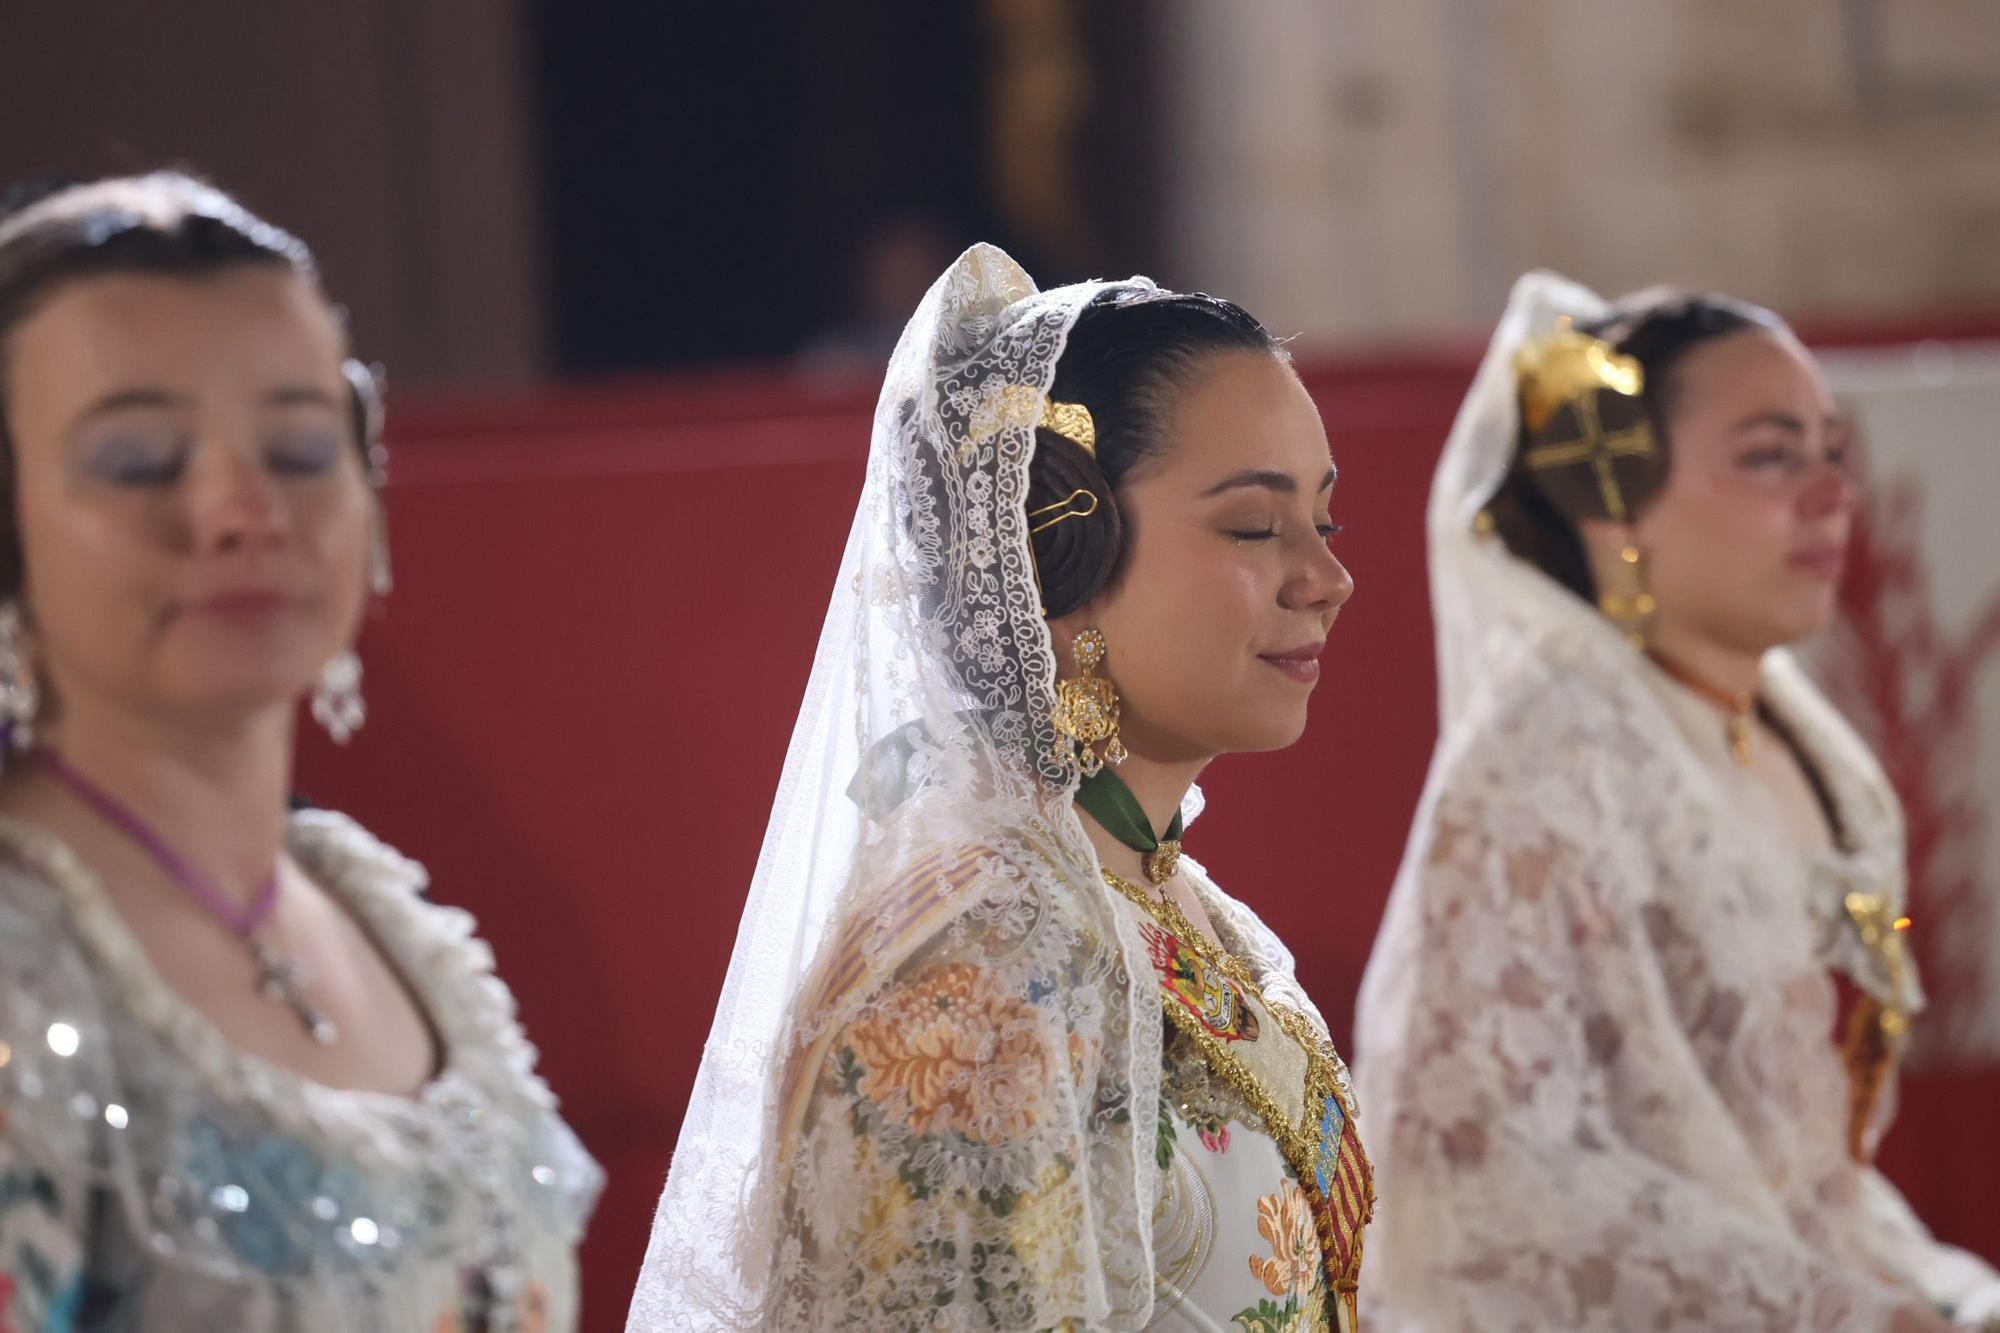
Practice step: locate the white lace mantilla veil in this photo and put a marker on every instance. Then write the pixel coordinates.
(1550, 1145)
(920, 790)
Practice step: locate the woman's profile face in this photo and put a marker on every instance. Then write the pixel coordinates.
(193, 513)
(1227, 590)
(1745, 541)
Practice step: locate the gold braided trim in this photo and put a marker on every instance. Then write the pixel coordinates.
(1299, 1142)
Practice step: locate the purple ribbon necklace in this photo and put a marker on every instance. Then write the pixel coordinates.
(278, 979)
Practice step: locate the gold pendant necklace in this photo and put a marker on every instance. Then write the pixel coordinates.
(1741, 709)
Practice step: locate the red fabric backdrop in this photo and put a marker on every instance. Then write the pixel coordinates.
(581, 692)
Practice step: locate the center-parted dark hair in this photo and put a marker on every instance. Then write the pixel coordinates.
(1537, 514)
(165, 224)
(1126, 360)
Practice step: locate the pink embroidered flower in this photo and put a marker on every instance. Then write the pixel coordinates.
(1215, 1139)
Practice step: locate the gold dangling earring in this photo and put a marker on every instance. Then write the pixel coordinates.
(1630, 605)
(1087, 710)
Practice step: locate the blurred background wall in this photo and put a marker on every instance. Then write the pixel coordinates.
(1383, 171)
(634, 269)
(508, 189)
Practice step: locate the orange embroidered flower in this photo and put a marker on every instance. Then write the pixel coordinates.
(959, 1052)
(1285, 1220)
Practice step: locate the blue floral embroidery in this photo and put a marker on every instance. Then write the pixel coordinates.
(1326, 1165)
(277, 1204)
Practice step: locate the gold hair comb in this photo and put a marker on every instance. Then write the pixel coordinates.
(1556, 370)
(1073, 422)
(1568, 369)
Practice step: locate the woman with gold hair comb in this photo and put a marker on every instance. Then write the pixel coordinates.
(1596, 1033)
(992, 1054)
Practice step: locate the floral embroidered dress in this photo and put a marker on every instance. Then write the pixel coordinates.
(1262, 1188)
(155, 1179)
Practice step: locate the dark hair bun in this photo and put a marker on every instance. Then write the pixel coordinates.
(1076, 556)
(1576, 489)
(1128, 354)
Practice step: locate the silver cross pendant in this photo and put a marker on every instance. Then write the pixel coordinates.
(283, 980)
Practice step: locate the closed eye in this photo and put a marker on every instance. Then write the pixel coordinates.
(139, 459)
(302, 453)
(1786, 456)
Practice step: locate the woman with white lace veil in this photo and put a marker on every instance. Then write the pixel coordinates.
(1597, 1035)
(990, 1054)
